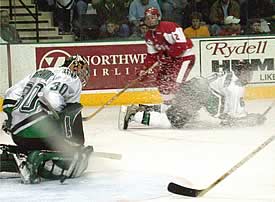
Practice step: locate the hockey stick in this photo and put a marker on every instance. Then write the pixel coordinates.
(107, 155)
(186, 191)
(71, 168)
(133, 82)
(68, 173)
(268, 109)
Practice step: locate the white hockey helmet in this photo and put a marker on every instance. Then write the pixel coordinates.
(243, 71)
(151, 17)
(79, 66)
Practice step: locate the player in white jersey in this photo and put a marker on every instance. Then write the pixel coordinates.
(44, 120)
(221, 94)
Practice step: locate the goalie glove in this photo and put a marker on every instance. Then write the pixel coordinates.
(252, 119)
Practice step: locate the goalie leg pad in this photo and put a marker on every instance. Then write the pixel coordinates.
(177, 117)
(126, 114)
(53, 165)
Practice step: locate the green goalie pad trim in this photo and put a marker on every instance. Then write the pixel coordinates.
(37, 160)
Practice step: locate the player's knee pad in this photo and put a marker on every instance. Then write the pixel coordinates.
(177, 117)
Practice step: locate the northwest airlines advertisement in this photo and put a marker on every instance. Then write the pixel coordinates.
(112, 66)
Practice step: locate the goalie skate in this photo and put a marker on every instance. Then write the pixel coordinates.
(24, 170)
(126, 114)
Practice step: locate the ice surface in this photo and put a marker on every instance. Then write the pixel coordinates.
(151, 158)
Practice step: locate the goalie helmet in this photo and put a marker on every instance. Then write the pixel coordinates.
(79, 67)
(151, 17)
(243, 71)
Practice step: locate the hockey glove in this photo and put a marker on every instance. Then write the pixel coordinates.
(247, 121)
(6, 126)
(256, 119)
(166, 61)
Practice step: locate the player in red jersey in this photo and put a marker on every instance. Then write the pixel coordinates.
(166, 44)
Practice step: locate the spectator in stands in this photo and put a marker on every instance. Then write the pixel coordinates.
(231, 27)
(46, 5)
(211, 2)
(80, 9)
(256, 9)
(196, 29)
(111, 9)
(201, 6)
(106, 9)
(173, 10)
(220, 10)
(254, 27)
(64, 12)
(140, 34)
(7, 32)
(136, 11)
(114, 30)
(258, 26)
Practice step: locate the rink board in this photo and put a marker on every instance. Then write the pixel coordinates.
(116, 64)
(153, 96)
(252, 93)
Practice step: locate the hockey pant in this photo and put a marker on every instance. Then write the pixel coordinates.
(51, 134)
(191, 96)
(171, 75)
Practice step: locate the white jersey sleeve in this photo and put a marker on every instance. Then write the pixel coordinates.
(229, 86)
(63, 89)
(16, 91)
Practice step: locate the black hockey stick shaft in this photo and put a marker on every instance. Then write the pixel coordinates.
(71, 168)
(186, 191)
(110, 101)
(268, 109)
(178, 189)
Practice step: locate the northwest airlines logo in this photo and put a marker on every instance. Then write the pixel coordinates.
(53, 58)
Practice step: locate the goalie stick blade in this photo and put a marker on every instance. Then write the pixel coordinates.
(107, 155)
(121, 116)
(181, 190)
